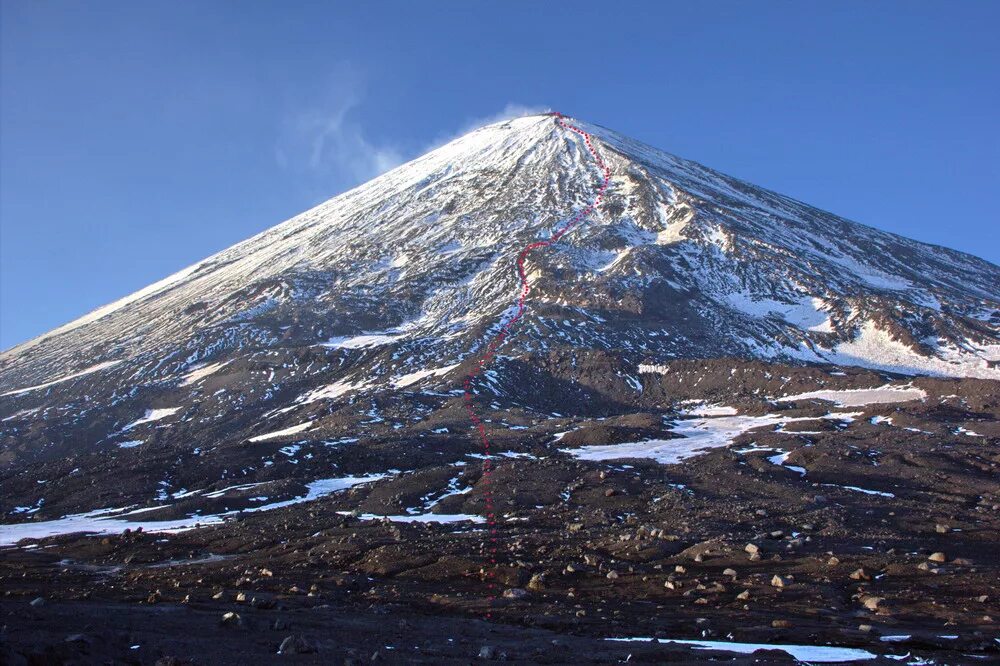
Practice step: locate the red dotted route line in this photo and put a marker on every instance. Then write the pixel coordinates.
(495, 343)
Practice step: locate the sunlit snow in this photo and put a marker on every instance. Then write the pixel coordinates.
(860, 397)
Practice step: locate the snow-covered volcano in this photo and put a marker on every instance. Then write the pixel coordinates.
(388, 287)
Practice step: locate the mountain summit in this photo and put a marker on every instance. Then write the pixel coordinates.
(765, 421)
(388, 288)
(709, 264)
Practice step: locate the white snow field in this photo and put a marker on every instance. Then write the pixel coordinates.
(697, 436)
(861, 397)
(116, 521)
(803, 653)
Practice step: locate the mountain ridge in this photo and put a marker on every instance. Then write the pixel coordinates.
(538, 129)
(389, 288)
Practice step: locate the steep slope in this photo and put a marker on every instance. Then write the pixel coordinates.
(712, 404)
(390, 287)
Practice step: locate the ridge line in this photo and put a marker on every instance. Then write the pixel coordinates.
(497, 340)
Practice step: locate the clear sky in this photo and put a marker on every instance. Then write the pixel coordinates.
(139, 137)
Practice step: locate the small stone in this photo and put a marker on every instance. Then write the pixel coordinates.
(487, 652)
(859, 574)
(865, 628)
(680, 569)
(537, 582)
(833, 561)
(871, 603)
(612, 575)
(752, 548)
(170, 660)
(982, 598)
(781, 624)
(231, 619)
(37, 602)
(669, 585)
(267, 573)
(241, 597)
(729, 572)
(263, 601)
(937, 557)
(610, 492)
(515, 593)
(744, 595)
(753, 557)
(296, 644)
(941, 528)
(701, 601)
(780, 581)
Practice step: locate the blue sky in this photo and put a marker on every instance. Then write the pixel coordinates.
(138, 138)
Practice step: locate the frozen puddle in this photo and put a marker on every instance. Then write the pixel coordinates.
(698, 436)
(806, 653)
(114, 521)
(861, 397)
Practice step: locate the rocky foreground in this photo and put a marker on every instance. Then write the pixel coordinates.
(864, 520)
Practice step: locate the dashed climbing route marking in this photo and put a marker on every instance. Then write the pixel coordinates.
(492, 535)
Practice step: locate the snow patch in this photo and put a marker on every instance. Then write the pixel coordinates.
(66, 378)
(425, 518)
(807, 313)
(374, 339)
(803, 653)
(860, 397)
(301, 427)
(200, 371)
(697, 436)
(331, 391)
(414, 377)
(153, 415)
(111, 521)
(875, 348)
